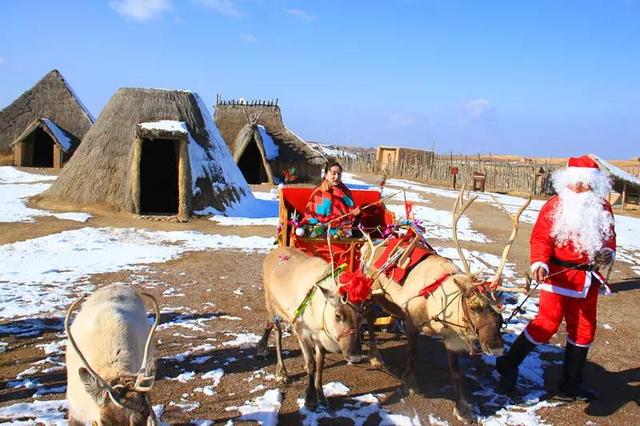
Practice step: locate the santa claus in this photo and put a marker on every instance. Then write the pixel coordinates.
(571, 241)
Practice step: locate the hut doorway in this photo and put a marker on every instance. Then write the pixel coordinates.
(251, 165)
(43, 146)
(159, 176)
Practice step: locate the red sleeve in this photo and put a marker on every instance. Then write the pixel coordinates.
(541, 243)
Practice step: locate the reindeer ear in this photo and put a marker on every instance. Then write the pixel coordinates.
(464, 283)
(93, 387)
(331, 296)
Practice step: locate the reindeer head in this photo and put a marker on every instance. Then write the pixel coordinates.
(341, 320)
(125, 399)
(481, 308)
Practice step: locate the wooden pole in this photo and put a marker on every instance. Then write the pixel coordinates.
(624, 196)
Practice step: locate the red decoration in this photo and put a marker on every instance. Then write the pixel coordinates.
(290, 175)
(408, 206)
(356, 285)
(428, 290)
(454, 171)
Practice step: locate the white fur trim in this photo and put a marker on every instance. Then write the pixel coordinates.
(530, 339)
(596, 178)
(570, 340)
(568, 292)
(582, 174)
(536, 265)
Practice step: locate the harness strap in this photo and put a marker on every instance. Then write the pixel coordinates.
(312, 291)
(428, 290)
(579, 266)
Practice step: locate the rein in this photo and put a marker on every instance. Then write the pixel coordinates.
(518, 309)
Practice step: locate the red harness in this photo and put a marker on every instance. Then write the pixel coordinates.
(396, 272)
(428, 290)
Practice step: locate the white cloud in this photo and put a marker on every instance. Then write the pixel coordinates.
(301, 14)
(140, 10)
(223, 7)
(248, 38)
(401, 119)
(476, 108)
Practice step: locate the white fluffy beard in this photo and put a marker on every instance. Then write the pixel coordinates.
(581, 219)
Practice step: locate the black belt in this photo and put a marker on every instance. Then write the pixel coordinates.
(577, 266)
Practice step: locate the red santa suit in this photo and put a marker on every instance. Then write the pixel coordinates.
(571, 291)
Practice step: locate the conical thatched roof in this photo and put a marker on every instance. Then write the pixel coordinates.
(51, 97)
(60, 137)
(105, 167)
(232, 119)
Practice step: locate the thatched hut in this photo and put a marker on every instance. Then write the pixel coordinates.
(262, 146)
(623, 183)
(44, 125)
(152, 151)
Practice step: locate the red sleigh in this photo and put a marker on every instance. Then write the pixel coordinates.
(373, 219)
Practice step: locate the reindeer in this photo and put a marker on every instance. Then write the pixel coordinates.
(322, 321)
(463, 310)
(110, 367)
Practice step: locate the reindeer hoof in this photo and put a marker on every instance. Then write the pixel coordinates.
(262, 349)
(283, 379)
(322, 400)
(408, 390)
(311, 404)
(376, 362)
(463, 412)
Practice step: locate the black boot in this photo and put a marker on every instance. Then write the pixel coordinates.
(507, 365)
(571, 383)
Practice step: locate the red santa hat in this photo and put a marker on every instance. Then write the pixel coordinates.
(582, 169)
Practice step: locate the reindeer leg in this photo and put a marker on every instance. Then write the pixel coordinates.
(262, 348)
(74, 422)
(281, 372)
(375, 359)
(310, 395)
(319, 369)
(409, 383)
(462, 410)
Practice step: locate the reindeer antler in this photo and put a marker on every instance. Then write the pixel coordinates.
(458, 210)
(103, 383)
(145, 375)
(515, 224)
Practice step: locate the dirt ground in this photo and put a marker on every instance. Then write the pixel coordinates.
(218, 287)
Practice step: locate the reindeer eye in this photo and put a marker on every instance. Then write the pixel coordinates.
(338, 317)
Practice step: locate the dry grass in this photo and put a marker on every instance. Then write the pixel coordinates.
(51, 97)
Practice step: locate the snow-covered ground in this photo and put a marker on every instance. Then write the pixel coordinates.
(16, 186)
(60, 264)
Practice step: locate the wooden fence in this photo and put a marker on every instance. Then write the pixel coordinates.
(499, 175)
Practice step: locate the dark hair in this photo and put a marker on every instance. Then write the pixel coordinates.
(330, 165)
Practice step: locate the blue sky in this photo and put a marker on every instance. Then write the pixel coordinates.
(538, 78)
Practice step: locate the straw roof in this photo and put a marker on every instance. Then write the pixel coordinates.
(60, 137)
(619, 177)
(51, 97)
(103, 169)
(293, 151)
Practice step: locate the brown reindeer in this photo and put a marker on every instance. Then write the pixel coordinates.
(300, 290)
(460, 309)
